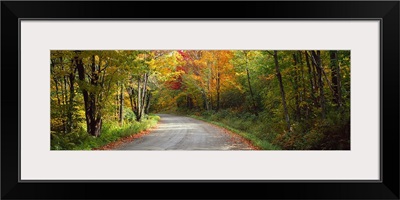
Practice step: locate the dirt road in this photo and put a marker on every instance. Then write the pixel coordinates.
(185, 133)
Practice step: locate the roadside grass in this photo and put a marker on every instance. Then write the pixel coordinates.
(111, 132)
(245, 128)
(267, 131)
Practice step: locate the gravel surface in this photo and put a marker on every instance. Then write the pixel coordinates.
(185, 133)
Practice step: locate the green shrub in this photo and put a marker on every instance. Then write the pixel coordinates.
(111, 131)
(241, 123)
(268, 130)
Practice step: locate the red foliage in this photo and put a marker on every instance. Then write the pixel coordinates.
(175, 84)
(184, 55)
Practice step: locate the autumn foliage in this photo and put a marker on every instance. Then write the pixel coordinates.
(291, 99)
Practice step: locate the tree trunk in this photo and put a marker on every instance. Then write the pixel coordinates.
(249, 83)
(205, 100)
(132, 99)
(71, 100)
(55, 80)
(310, 75)
(138, 102)
(210, 106)
(296, 87)
(335, 73)
(57, 95)
(218, 90)
(92, 115)
(303, 92)
(64, 97)
(144, 94)
(81, 76)
(303, 82)
(121, 105)
(313, 68)
(140, 106)
(318, 65)
(189, 102)
(279, 76)
(147, 110)
(116, 110)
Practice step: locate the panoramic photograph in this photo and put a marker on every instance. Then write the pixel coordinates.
(200, 100)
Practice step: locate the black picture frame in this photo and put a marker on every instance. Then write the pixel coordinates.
(13, 11)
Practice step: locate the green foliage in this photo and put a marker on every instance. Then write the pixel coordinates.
(68, 141)
(332, 133)
(129, 116)
(111, 131)
(268, 132)
(241, 125)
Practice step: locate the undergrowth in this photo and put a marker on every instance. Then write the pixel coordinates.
(268, 132)
(79, 139)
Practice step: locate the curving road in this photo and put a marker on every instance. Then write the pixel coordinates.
(185, 133)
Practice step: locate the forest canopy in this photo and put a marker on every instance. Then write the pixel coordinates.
(298, 99)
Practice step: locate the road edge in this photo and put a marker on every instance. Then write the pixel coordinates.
(125, 140)
(232, 133)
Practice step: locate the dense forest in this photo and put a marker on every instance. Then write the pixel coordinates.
(297, 99)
